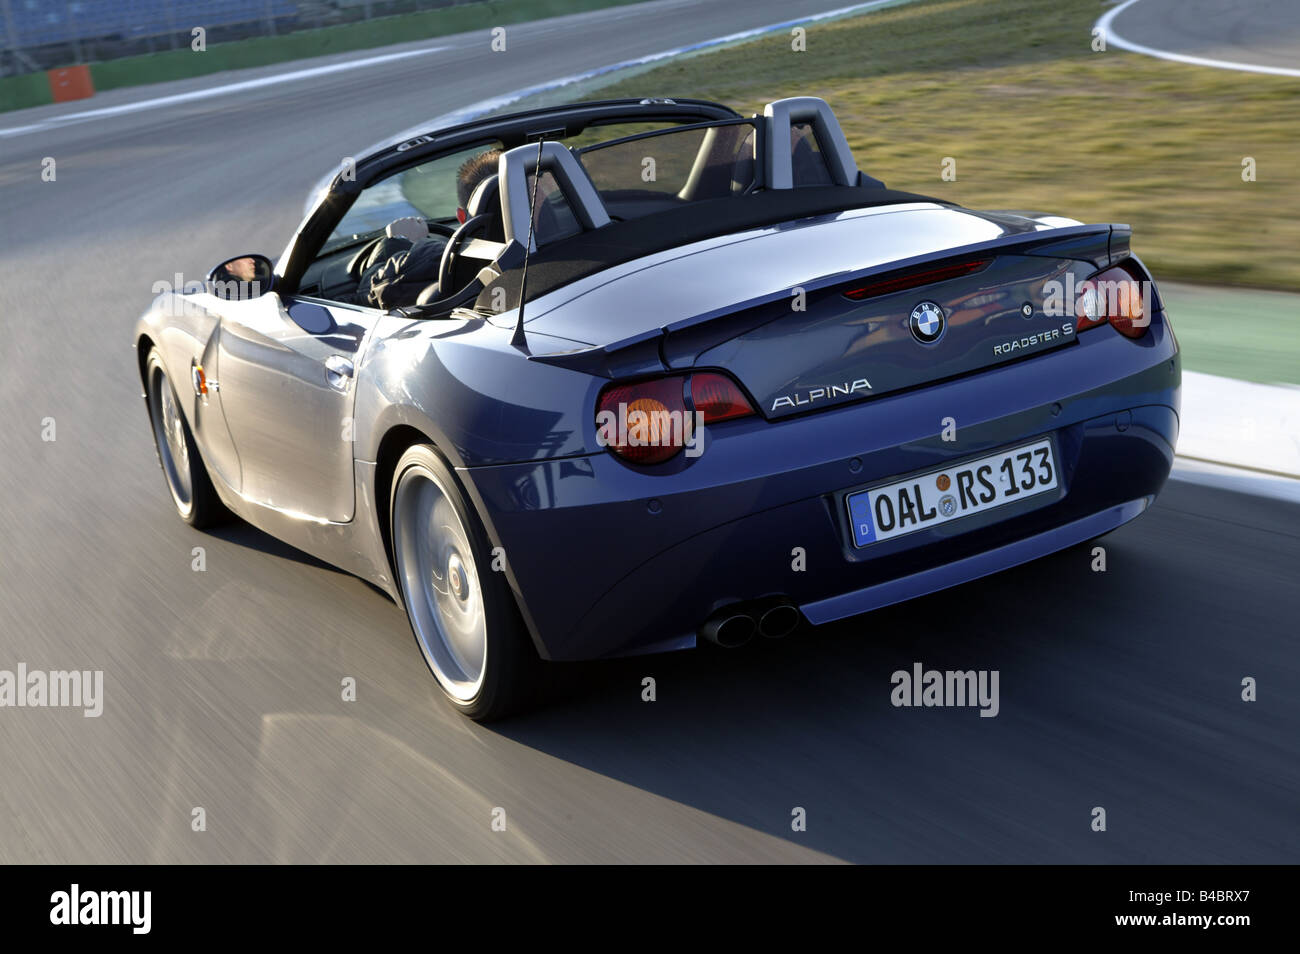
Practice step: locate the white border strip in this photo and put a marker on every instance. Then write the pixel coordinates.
(1240, 423)
(1114, 39)
(211, 91)
(1223, 477)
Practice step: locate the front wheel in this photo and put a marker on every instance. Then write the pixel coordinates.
(460, 608)
(187, 478)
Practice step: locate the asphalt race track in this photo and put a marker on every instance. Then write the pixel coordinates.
(222, 688)
(1254, 32)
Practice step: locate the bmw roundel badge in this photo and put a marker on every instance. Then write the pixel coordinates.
(927, 322)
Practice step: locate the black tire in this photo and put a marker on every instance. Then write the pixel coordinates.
(438, 586)
(185, 473)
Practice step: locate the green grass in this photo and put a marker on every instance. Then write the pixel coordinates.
(33, 90)
(1036, 120)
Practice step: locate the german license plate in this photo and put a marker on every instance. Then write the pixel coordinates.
(892, 510)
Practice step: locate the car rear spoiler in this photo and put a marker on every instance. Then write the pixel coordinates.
(676, 344)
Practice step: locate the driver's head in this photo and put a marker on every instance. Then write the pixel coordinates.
(242, 269)
(473, 171)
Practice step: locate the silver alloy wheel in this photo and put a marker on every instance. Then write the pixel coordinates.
(169, 434)
(440, 582)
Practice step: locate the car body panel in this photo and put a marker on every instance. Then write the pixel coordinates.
(287, 411)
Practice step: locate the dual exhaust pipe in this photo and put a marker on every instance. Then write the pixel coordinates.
(734, 625)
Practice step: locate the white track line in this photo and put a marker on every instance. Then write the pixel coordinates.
(211, 91)
(1114, 39)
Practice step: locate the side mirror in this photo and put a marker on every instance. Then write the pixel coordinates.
(243, 277)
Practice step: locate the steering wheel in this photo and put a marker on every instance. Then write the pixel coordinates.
(354, 263)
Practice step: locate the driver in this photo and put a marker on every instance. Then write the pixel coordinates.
(399, 269)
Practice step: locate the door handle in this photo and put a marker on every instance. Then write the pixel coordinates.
(338, 370)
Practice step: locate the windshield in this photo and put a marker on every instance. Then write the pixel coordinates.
(655, 171)
(428, 191)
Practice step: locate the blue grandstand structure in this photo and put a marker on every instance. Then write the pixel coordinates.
(40, 34)
(35, 23)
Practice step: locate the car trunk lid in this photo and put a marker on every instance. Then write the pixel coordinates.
(819, 312)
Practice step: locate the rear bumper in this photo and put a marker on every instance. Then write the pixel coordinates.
(608, 560)
(973, 567)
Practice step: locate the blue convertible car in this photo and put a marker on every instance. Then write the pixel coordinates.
(614, 377)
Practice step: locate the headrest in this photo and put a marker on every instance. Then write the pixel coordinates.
(484, 194)
(514, 168)
(781, 114)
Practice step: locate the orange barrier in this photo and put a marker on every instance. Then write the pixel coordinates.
(71, 82)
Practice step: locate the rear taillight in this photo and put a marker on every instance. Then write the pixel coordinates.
(1114, 296)
(718, 397)
(649, 422)
(644, 422)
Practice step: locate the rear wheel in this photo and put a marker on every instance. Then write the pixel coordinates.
(461, 610)
(187, 478)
